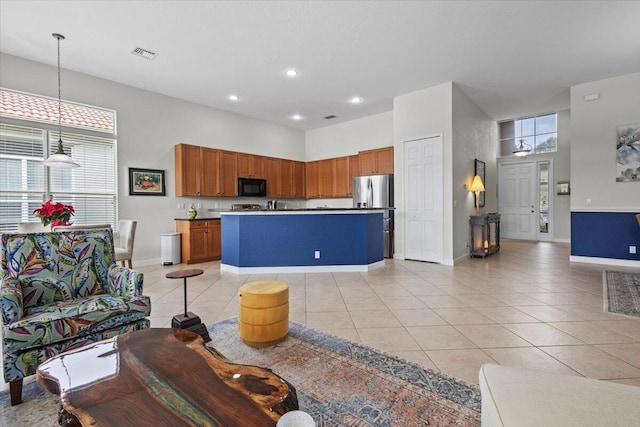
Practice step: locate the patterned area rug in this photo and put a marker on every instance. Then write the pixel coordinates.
(338, 382)
(622, 293)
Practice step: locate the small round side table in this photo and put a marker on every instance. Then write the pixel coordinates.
(188, 320)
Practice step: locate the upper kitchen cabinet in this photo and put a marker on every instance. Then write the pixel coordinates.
(354, 166)
(188, 170)
(376, 162)
(251, 166)
(285, 178)
(205, 172)
(343, 177)
(312, 179)
(298, 190)
(326, 178)
(272, 175)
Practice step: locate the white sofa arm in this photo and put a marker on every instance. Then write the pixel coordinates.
(516, 397)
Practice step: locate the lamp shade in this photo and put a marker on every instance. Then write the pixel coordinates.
(476, 184)
(60, 159)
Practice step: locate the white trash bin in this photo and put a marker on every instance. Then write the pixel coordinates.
(170, 248)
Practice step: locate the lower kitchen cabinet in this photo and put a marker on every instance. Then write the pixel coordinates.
(200, 239)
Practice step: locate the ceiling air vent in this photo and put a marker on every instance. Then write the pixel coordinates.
(147, 54)
(330, 117)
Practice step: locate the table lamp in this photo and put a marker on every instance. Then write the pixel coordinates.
(477, 186)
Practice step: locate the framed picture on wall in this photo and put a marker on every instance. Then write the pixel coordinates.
(479, 170)
(563, 188)
(146, 182)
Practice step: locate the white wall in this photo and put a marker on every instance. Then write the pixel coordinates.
(416, 115)
(593, 143)
(474, 137)
(345, 139)
(149, 125)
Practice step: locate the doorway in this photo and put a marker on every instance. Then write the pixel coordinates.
(526, 200)
(424, 218)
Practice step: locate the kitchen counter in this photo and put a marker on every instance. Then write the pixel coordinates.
(300, 210)
(301, 240)
(198, 218)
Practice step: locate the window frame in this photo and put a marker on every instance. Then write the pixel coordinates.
(508, 138)
(26, 197)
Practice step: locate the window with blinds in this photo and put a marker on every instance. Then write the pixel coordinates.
(25, 182)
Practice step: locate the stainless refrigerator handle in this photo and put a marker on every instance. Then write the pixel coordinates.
(370, 193)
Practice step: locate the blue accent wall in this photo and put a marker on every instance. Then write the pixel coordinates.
(605, 234)
(291, 240)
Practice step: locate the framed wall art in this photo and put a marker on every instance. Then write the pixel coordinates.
(479, 169)
(628, 152)
(563, 188)
(146, 182)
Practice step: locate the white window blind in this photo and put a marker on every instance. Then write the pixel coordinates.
(25, 182)
(22, 178)
(91, 188)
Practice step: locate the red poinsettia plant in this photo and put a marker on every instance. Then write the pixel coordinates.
(54, 213)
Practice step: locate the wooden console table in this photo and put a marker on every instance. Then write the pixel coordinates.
(162, 377)
(485, 234)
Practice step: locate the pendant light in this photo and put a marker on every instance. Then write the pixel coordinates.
(60, 158)
(521, 151)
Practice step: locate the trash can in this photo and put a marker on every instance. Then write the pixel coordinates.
(170, 248)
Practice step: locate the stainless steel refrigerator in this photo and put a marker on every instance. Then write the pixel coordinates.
(376, 191)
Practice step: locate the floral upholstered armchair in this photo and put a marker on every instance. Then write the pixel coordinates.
(60, 291)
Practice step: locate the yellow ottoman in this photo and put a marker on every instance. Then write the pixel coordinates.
(264, 312)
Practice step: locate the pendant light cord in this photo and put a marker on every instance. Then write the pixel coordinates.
(59, 95)
(60, 150)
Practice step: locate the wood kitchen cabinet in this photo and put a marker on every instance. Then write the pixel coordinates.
(272, 172)
(285, 178)
(312, 179)
(250, 166)
(354, 166)
(376, 162)
(201, 240)
(298, 190)
(326, 178)
(205, 172)
(343, 177)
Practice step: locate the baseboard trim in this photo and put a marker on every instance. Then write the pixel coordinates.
(303, 269)
(605, 261)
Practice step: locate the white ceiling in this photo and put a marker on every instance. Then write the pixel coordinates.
(513, 58)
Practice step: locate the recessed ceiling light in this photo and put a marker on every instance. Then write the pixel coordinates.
(356, 100)
(291, 72)
(296, 117)
(233, 97)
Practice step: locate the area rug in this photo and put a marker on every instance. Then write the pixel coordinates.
(622, 293)
(338, 382)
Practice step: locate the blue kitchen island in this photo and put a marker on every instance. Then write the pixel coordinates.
(301, 240)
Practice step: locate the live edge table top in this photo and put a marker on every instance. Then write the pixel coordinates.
(162, 377)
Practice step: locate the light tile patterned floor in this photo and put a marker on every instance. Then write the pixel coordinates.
(524, 306)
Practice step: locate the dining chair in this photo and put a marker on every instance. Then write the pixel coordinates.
(124, 244)
(31, 227)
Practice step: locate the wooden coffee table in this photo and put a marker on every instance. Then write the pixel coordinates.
(161, 377)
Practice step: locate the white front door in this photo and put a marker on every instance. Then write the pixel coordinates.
(424, 218)
(517, 201)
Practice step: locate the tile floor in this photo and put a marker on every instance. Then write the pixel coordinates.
(525, 306)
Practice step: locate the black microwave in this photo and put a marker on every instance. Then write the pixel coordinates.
(251, 187)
